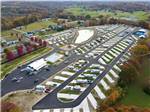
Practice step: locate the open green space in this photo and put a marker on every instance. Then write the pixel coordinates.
(136, 15)
(65, 100)
(69, 91)
(37, 25)
(7, 35)
(45, 34)
(9, 66)
(135, 94)
(27, 28)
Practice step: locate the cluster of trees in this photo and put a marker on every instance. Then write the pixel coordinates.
(24, 48)
(123, 108)
(106, 105)
(110, 104)
(101, 20)
(132, 70)
(9, 107)
(39, 41)
(122, 6)
(13, 22)
(109, 20)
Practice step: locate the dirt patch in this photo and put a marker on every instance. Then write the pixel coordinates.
(24, 99)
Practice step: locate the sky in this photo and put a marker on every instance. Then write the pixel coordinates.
(74, 0)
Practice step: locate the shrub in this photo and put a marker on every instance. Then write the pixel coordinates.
(9, 107)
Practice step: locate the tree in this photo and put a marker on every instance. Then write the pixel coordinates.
(19, 39)
(35, 46)
(107, 104)
(115, 94)
(144, 24)
(12, 34)
(9, 107)
(128, 74)
(88, 17)
(10, 55)
(20, 50)
(40, 42)
(146, 87)
(17, 35)
(100, 16)
(6, 50)
(135, 62)
(29, 48)
(110, 109)
(32, 39)
(36, 39)
(140, 50)
(45, 43)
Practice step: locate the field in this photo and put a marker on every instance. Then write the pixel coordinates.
(137, 15)
(38, 25)
(9, 66)
(7, 35)
(135, 94)
(30, 27)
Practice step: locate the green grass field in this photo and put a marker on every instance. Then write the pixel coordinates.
(7, 35)
(30, 27)
(37, 25)
(135, 94)
(9, 66)
(80, 11)
(137, 15)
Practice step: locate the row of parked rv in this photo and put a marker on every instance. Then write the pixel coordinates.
(105, 52)
(62, 76)
(101, 38)
(61, 38)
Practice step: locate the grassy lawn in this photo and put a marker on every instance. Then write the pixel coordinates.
(8, 67)
(46, 34)
(30, 27)
(135, 94)
(137, 15)
(80, 11)
(7, 35)
(38, 25)
(65, 100)
(68, 91)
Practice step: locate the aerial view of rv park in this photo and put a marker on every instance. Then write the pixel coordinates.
(75, 56)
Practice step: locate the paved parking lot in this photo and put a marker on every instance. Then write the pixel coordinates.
(84, 75)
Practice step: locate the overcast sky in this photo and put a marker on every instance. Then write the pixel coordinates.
(74, 0)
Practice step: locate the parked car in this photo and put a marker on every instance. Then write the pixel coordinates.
(47, 90)
(20, 78)
(36, 80)
(18, 81)
(14, 79)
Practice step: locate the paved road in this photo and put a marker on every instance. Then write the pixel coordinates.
(51, 101)
(28, 81)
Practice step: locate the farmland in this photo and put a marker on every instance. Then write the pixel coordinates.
(136, 15)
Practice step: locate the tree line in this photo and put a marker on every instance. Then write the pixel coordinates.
(131, 70)
(101, 20)
(13, 22)
(23, 49)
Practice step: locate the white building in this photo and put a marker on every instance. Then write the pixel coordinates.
(37, 65)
